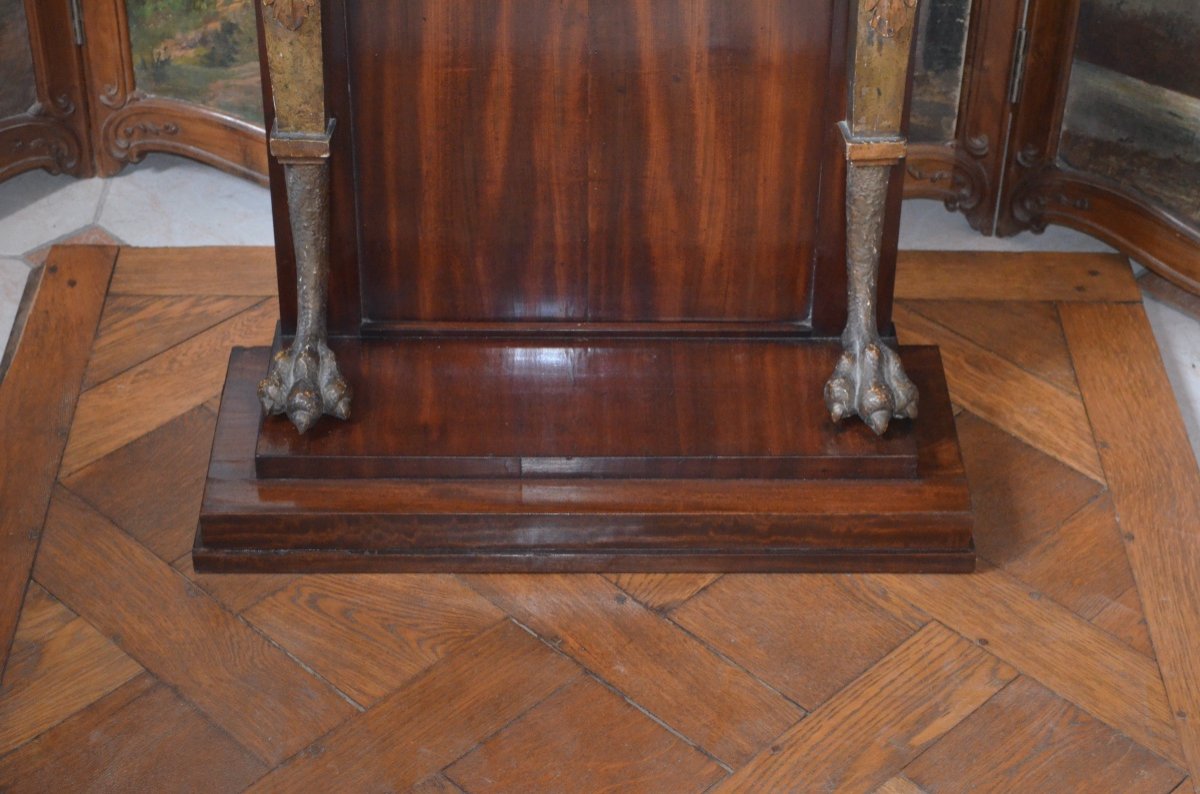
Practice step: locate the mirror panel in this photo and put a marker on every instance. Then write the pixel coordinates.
(202, 51)
(938, 70)
(1133, 108)
(18, 89)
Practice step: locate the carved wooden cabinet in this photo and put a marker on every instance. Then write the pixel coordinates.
(91, 85)
(1084, 113)
(570, 285)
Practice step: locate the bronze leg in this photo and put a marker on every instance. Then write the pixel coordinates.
(869, 380)
(304, 381)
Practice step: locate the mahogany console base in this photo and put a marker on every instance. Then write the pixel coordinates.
(900, 504)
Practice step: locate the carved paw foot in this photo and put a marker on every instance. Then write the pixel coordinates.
(304, 383)
(869, 381)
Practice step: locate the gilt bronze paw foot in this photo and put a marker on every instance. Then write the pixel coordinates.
(305, 384)
(870, 382)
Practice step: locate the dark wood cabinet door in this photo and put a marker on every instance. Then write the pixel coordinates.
(1084, 113)
(1107, 134)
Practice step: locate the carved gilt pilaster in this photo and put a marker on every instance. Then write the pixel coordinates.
(869, 380)
(304, 381)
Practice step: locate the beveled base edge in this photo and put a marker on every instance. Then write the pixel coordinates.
(306, 561)
(252, 525)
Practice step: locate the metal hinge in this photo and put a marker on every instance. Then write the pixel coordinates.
(77, 21)
(1020, 57)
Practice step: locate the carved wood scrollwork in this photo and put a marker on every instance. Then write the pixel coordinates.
(37, 142)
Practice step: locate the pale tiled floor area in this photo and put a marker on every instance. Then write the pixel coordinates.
(170, 201)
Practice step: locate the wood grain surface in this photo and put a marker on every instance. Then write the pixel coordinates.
(1142, 439)
(560, 161)
(622, 409)
(37, 403)
(1036, 673)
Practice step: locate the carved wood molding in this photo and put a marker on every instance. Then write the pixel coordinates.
(28, 142)
(150, 124)
(1153, 236)
(948, 174)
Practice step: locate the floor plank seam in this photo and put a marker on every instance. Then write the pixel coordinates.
(169, 348)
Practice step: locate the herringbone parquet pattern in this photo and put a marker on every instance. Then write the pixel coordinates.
(1037, 674)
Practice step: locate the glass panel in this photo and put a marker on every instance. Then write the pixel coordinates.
(204, 51)
(1133, 107)
(18, 89)
(938, 71)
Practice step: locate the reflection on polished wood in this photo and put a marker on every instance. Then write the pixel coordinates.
(542, 523)
(566, 408)
(586, 265)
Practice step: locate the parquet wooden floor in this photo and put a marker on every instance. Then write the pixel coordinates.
(1070, 662)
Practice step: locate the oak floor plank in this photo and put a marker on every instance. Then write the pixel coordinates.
(1087, 666)
(1125, 619)
(428, 724)
(864, 735)
(584, 739)
(1027, 333)
(996, 389)
(1155, 486)
(1015, 510)
(807, 636)
(135, 328)
(370, 633)
(1082, 565)
(1029, 739)
(152, 487)
(141, 737)
(37, 401)
(663, 591)
(252, 689)
(1002, 275)
(436, 784)
(900, 785)
(146, 397)
(236, 593)
(240, 271)
(60, 664)
(720, 707)
(42, 614)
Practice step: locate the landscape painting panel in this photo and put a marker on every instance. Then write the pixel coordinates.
(202, 51)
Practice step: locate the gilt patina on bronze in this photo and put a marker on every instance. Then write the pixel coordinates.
(304, 381)
(869, 380)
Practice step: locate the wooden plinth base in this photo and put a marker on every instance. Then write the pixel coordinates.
(639, 455)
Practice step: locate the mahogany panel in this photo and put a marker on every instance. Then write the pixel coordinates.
(586, 408)
(547, 161)
(704, 151)
(471, 124)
